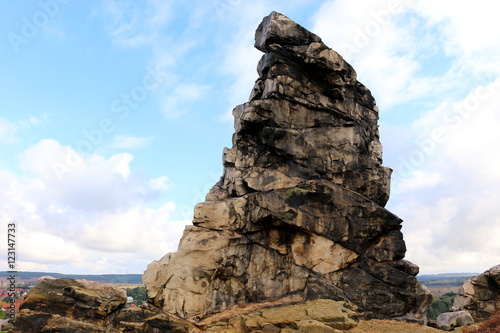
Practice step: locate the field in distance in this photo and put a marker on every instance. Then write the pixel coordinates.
(440, 284)
(117, 280)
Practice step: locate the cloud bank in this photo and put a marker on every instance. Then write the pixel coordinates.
(94, 219)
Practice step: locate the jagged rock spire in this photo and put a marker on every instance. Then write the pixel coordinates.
(298, 213)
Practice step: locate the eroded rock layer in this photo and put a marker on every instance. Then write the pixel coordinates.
(480, 295)
(298, 213)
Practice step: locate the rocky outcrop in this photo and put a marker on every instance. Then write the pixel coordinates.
(85, 306)
(53, 313)
(480, 295)
(311, 316)
(447, 321)
(81, 306)
(298, 213)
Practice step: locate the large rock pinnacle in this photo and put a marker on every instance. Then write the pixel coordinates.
(298, 213)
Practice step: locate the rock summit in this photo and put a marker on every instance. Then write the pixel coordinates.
(298, 214)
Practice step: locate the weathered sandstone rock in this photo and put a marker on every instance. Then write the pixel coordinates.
(81, 306)
(298, 213)
(54, 304)
(480, 295)
(311, 316)
(447, 321)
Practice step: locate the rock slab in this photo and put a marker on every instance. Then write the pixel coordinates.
(298, 213)
(480, 295)
(447, 321)
(55, 304)
(81, 306)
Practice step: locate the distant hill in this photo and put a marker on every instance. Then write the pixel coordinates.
(104, 278)
(445, 279)
(441, 284)
(432, 280)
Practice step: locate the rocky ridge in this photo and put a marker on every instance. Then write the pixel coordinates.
(298, 213)
(79, 306)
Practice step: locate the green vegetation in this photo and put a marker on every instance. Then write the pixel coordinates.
(440, 305)
(139, 295)
(7, 299)
(3, 315)
(105, 278)
(439, 280)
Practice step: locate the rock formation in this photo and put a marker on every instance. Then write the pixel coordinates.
(298, 213)
(81, 306)
(85, 306)
(448, 321)
(480, 295)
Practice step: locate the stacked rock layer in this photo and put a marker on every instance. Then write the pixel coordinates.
(298, 213)
(480, 295)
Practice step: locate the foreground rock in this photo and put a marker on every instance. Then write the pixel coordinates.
(81, 306)
(298, 213)
(480, 295)
(311, 316)
(56, 304)
(447, 321)
(50, 307)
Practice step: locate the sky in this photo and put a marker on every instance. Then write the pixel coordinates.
(114, 115)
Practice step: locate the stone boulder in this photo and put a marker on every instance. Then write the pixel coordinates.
(81, 306)
(480, 295)
(298, 213)
(447, 321)
(85, 306)
(311, 316)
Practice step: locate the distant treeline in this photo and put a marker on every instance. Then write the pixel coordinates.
(452, 279)
(107, 278)
(455, 279)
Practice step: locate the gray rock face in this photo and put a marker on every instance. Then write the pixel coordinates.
(480, 295)
(56, 304)
(298, 213)
(449, 320)
(81, 306)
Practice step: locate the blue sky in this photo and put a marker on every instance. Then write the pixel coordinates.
(114, 115)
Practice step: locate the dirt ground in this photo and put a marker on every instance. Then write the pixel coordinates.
(392, 326)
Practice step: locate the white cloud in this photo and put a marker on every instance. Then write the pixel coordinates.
(391, 44)
(92, 219)
(449, 202)
(446, 176)
(135, 25)
(9, 130)
(420, 180)
(130, 142)
(178, 101)
(382, 52)
(464, 26)
(161, 183)
(240, 56)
